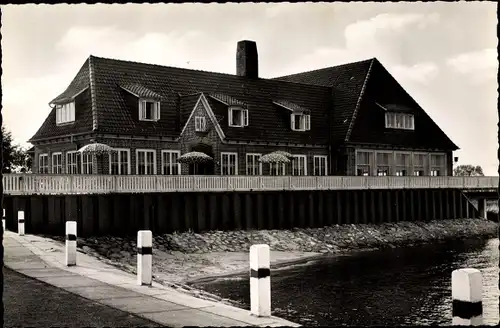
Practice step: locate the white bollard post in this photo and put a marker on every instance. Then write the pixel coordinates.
(260, 281)
(70, 243)
(467, 295)
(20, 223)
(3, 219)
(144, 257)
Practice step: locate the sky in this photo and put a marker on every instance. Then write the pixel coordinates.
(443, 53)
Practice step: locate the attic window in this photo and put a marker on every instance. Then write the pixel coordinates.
(149, 110)
(199, 124)
(394, 120)
(65, 113)
(238, 117)
(301, 122)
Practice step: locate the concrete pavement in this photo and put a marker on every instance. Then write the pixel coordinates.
(43, 259)
(32, 303)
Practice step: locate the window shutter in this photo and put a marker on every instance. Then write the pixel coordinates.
(230, 117)
(73, 111)
(157, 109)
(308, 122)
(293, 121)
(245, 117)
(141, 109)
(58, 115)
(203, 124)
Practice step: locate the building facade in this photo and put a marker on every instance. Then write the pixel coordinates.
(353, 119)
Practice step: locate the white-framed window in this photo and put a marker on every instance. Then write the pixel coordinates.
(238, 117)
(43, 163)
(364, 162)
(57, 163)
(277, 168)
(200, 123)
(299, 165)
(254, 166)
(384, 163)
(419, 164)
(146, 161)
(229, 164)
(320, 165)
(119, 163)
(65, 113)
(149, 110)
(438, 164)
(301, 122)
(402, 163)
(169, 164)
(399, 121)
(73, 165)
(87, 161)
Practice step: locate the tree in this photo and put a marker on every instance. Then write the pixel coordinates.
(468, 170)
(15, 158)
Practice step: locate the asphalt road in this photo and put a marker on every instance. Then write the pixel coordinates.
(32, 303)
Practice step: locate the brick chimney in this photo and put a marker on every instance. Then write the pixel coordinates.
(247, 59)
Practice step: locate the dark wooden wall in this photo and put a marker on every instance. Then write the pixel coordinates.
(124, 214)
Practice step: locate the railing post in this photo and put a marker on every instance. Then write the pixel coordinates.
(467, 296)
(290, 186)
(144, 257)
(260, 281)
(20, 223)
(70, 243)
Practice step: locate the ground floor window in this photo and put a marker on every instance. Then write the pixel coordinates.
(383, 164)
(438, 167)
(229, 163)
(402, 164)
(169, 164)
(87, 161)
(254, 167)
(299, 165)
(320, 167)
(119, 163)
(277, 168)
(146, 162)
(43, 163)
(57, 163)
(419, 164)
(73, 165)
(364, 161)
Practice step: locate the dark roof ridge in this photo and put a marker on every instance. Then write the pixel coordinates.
(198, 70)
(326, 68)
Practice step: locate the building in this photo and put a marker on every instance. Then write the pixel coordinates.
(353, 119)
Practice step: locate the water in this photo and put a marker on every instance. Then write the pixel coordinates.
(404, 286)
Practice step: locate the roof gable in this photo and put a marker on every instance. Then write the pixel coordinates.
(202, 101)
(79, 90)
(383, 93)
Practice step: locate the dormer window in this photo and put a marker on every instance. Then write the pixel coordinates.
(149, 110)
(394, 120)
(238, 117)
(301, 122)
(199, 124)
(65, 113)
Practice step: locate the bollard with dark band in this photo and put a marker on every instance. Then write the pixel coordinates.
(3, 219)
(144, 257)
(467, 295)
(70, 243)
(20, 223)
(260, 281)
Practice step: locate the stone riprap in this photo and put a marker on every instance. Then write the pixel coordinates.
(180, 257)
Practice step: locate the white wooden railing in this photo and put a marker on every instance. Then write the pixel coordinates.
(27, 184)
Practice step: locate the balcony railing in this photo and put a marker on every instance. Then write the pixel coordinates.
(29, 184)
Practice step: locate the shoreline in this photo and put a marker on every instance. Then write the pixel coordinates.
(188, 258)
